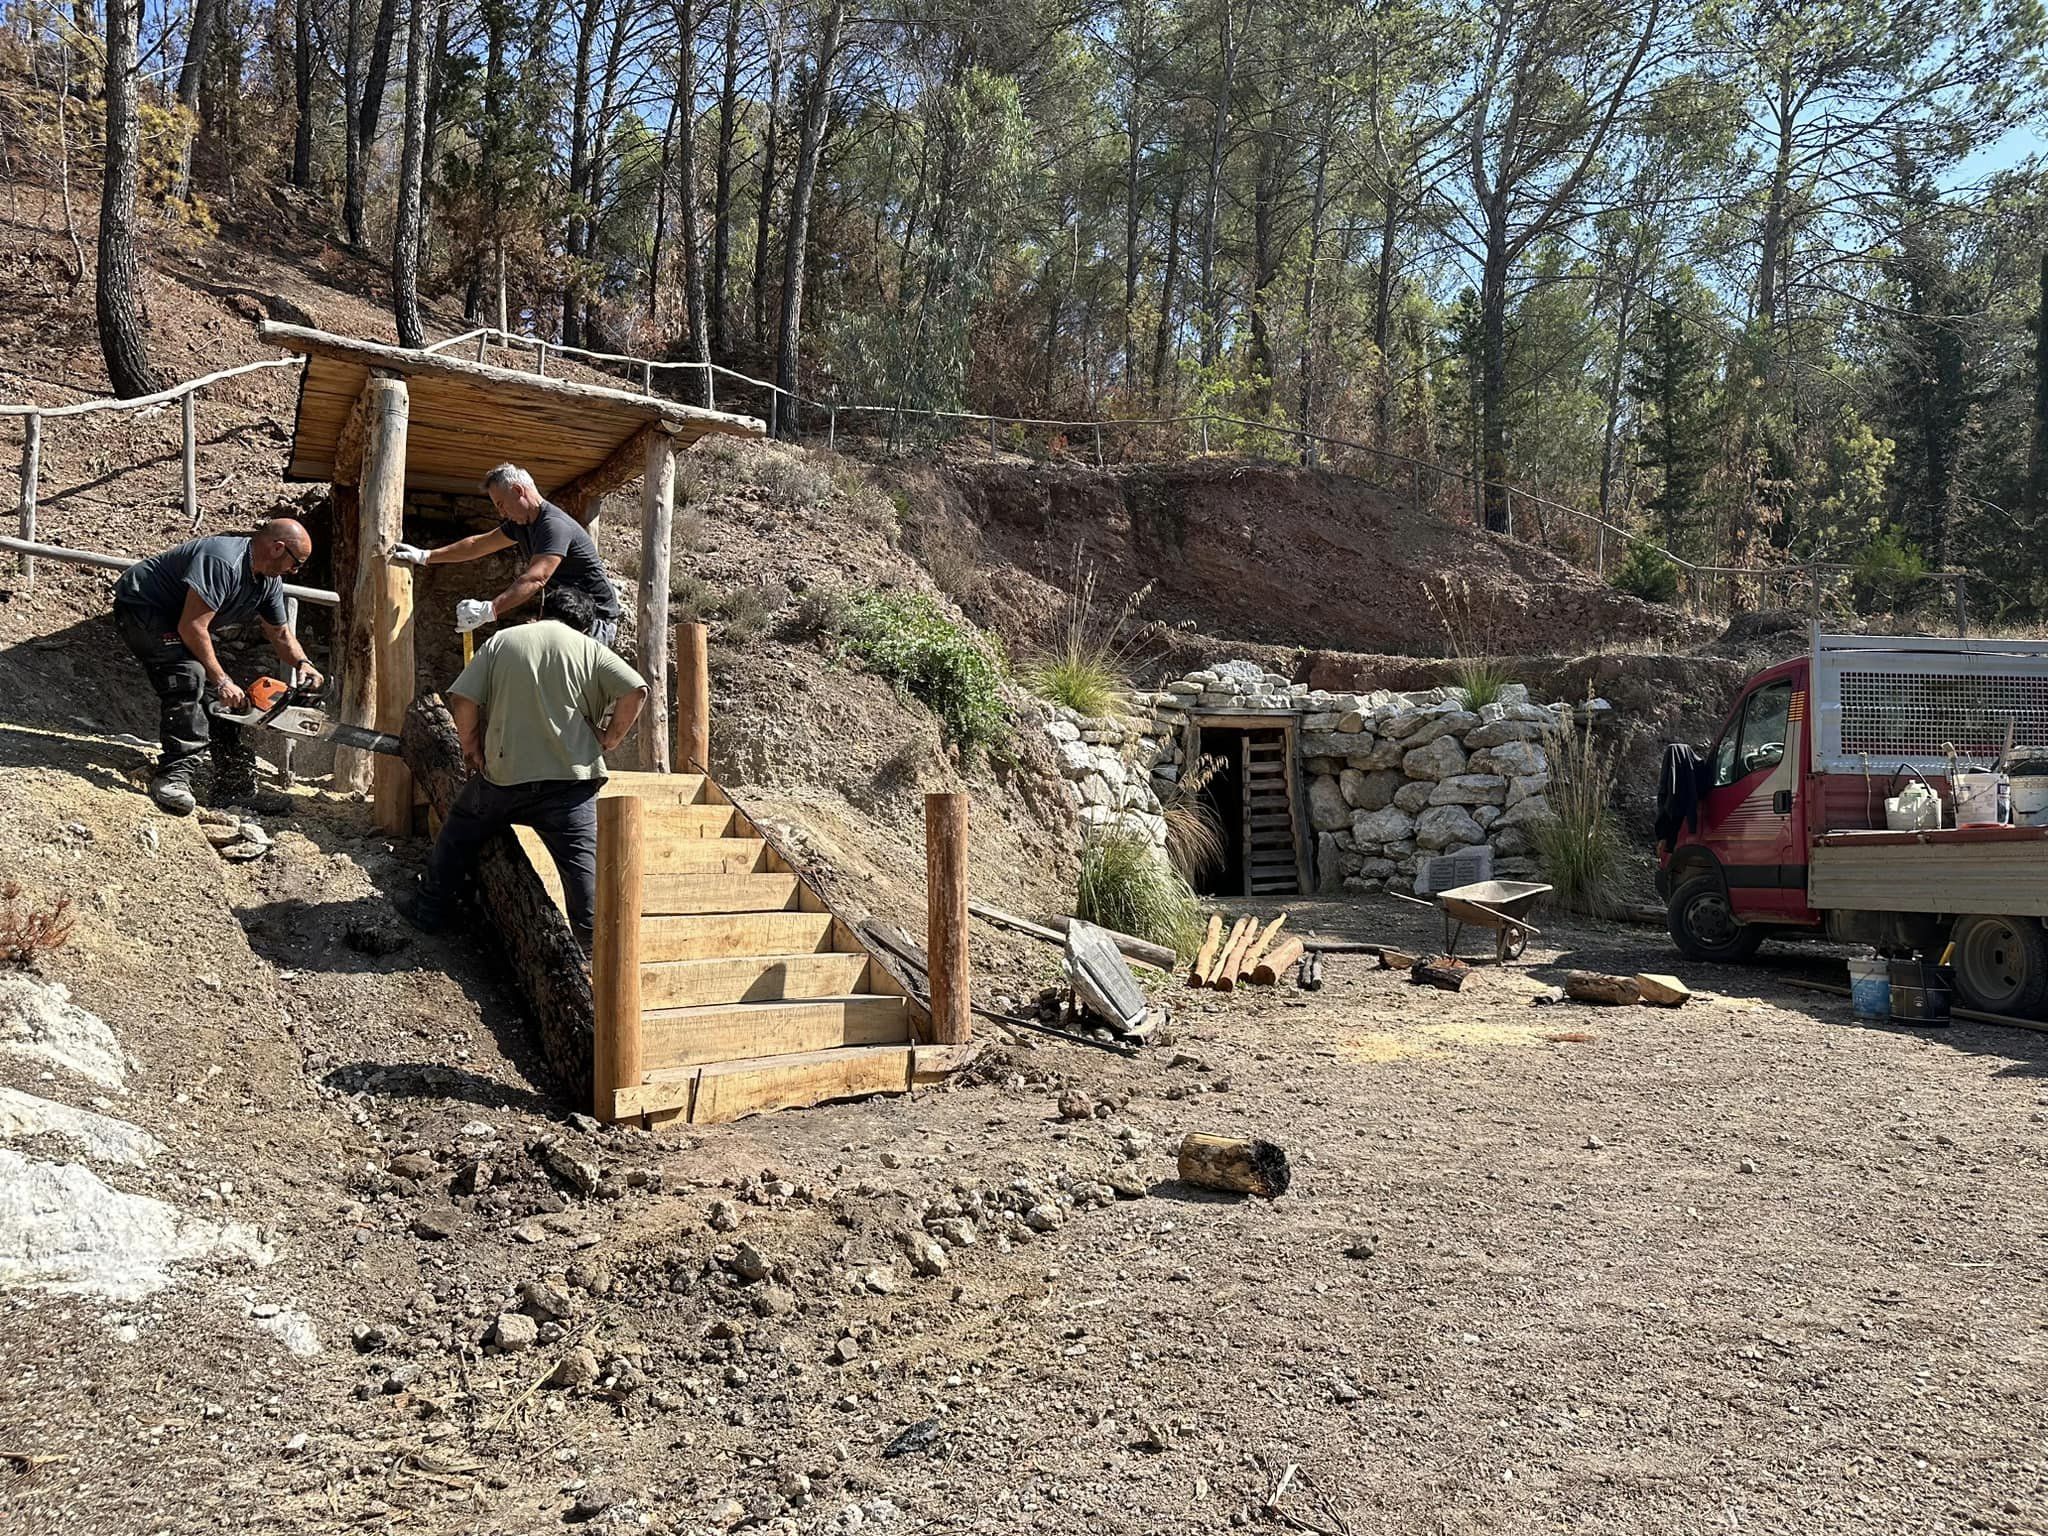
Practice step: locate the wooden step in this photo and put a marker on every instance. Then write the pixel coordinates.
(713, 1095)
(660, 788)
(728, 935)
(751, 979)
(664, 895)
(683, 1037)
(666, 821)
(706, 856)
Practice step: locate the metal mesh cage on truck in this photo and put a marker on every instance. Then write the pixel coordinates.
(1907, 700)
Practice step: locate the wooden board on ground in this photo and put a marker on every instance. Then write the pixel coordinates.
(1662, 991)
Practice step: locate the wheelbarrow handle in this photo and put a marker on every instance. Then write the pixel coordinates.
(1414, 901)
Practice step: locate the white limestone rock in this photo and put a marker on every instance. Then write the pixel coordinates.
(1440, 759)
(1471, 789)
(1447, 826)
(1376, 829)
(1326, 808)
(1511, 759)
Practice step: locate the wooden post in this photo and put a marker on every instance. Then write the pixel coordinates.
(1600, 550)
(832, 429)
(1205, 434)
(646, 378)
(615, 954)
(31, 471)
(191, 415)
(542, 364)
(483, 343)
(693, 698)
(945, 858)
(384, 588)
(657, 518)
(992, 437)
(1098, 445)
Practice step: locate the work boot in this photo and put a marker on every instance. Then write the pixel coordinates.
(171, 789)
(422, 908)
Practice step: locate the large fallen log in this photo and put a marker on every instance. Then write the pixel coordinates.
(544, 962)
(1130, 946)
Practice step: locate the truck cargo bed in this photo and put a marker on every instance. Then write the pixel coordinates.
(2000, 870)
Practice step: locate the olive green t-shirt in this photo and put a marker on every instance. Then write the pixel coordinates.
(544, 689)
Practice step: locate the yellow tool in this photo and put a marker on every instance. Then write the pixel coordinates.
(468, 647)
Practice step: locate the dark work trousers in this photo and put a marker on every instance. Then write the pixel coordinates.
(562, 811)
(181, 686)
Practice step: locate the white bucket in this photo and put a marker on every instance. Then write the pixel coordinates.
(1980, 799)
(2030, 801)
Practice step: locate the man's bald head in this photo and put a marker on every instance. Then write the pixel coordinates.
(280, 547)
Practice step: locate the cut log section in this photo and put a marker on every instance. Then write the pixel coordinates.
(1662, 991)
(1234, 1165)
(1257, 950)
(1224, 977)
(1205, 957)
(1441, 971)
(1610, 991)
(1273, 965)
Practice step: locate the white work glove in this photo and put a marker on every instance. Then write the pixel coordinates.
(408, 554)
(472, 613)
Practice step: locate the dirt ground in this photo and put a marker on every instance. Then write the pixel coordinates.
(1746, 1264)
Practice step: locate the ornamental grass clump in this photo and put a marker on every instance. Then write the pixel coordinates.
(1088, 667)
(1579, 844)
(1127, 885)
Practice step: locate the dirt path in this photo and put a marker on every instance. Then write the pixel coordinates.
(1520, 1283)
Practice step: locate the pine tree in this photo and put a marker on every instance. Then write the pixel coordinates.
(1670, 377)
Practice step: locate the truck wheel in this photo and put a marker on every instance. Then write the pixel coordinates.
(1703, 925)
(2002, 964)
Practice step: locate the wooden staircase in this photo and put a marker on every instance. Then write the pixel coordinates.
(750, 993)
(1270, 864)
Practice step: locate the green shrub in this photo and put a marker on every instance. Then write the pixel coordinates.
(1580, 846)
(1088, 665)
(1480, 680)
(744, 613)
(1647, 574)
(1126, 885)
(944, 665)
(690, 599)
(820, 613)
(1886, 570)
(788, 479)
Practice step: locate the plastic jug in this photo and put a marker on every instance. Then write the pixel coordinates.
(1916, 808)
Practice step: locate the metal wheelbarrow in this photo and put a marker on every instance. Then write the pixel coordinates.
(1494, 904)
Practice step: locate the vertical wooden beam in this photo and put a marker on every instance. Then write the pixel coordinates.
(355, 680)
(657, 518)
(31, 472)
(945, 855)
(615, 953)
(693, 697)
(190, 412)
(384, 589)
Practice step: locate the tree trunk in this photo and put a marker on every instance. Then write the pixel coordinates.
(541, 956)
(1162, 339)
(1308, 295)
(1493, 377)
(579, 175)
(721, 196)
(122, 341)
(302, 93)
(1772, 245)
(204, 13)
(1134, 137)
(351, 92)
(2037, 458)
(371, 105)
(1212, 300)
(405, 238)
(1615, 373)
(764, 204)
(661, 186)
(817, 107)
(686, 192)
(1383, 408)
(1265, 266)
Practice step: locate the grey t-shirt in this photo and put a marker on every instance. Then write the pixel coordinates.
(218, 569)
(555, 532)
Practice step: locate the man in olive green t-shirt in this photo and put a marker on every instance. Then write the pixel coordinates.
(536, 710)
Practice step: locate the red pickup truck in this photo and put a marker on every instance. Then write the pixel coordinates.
(1788, 833)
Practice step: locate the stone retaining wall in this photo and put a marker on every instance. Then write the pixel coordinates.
(1391, 778)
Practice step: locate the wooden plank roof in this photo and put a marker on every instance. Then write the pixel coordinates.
(466, 417)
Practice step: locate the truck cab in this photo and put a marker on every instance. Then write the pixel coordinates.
(1786, 828)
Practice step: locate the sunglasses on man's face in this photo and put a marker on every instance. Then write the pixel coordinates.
(298, 562)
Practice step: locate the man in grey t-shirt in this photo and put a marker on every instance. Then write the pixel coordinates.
(556, 552)
(170, 607)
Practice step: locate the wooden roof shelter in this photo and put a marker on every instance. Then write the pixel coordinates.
(577, 440)
(385, 425)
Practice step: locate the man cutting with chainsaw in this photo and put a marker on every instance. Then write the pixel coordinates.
(558, 552)
(170, 607)
(536, 711)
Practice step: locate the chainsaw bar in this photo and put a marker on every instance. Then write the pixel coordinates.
(287, 714)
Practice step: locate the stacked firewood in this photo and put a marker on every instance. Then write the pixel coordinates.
(1247, 953)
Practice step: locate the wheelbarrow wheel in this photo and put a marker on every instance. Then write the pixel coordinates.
(1514, 938)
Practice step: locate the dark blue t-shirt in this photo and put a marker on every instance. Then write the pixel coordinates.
(555, 532)
(218, 569)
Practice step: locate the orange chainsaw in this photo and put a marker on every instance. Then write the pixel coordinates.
(295, 711)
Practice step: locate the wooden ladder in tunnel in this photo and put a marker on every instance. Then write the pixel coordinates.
(1271, 865)
(725, 985)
